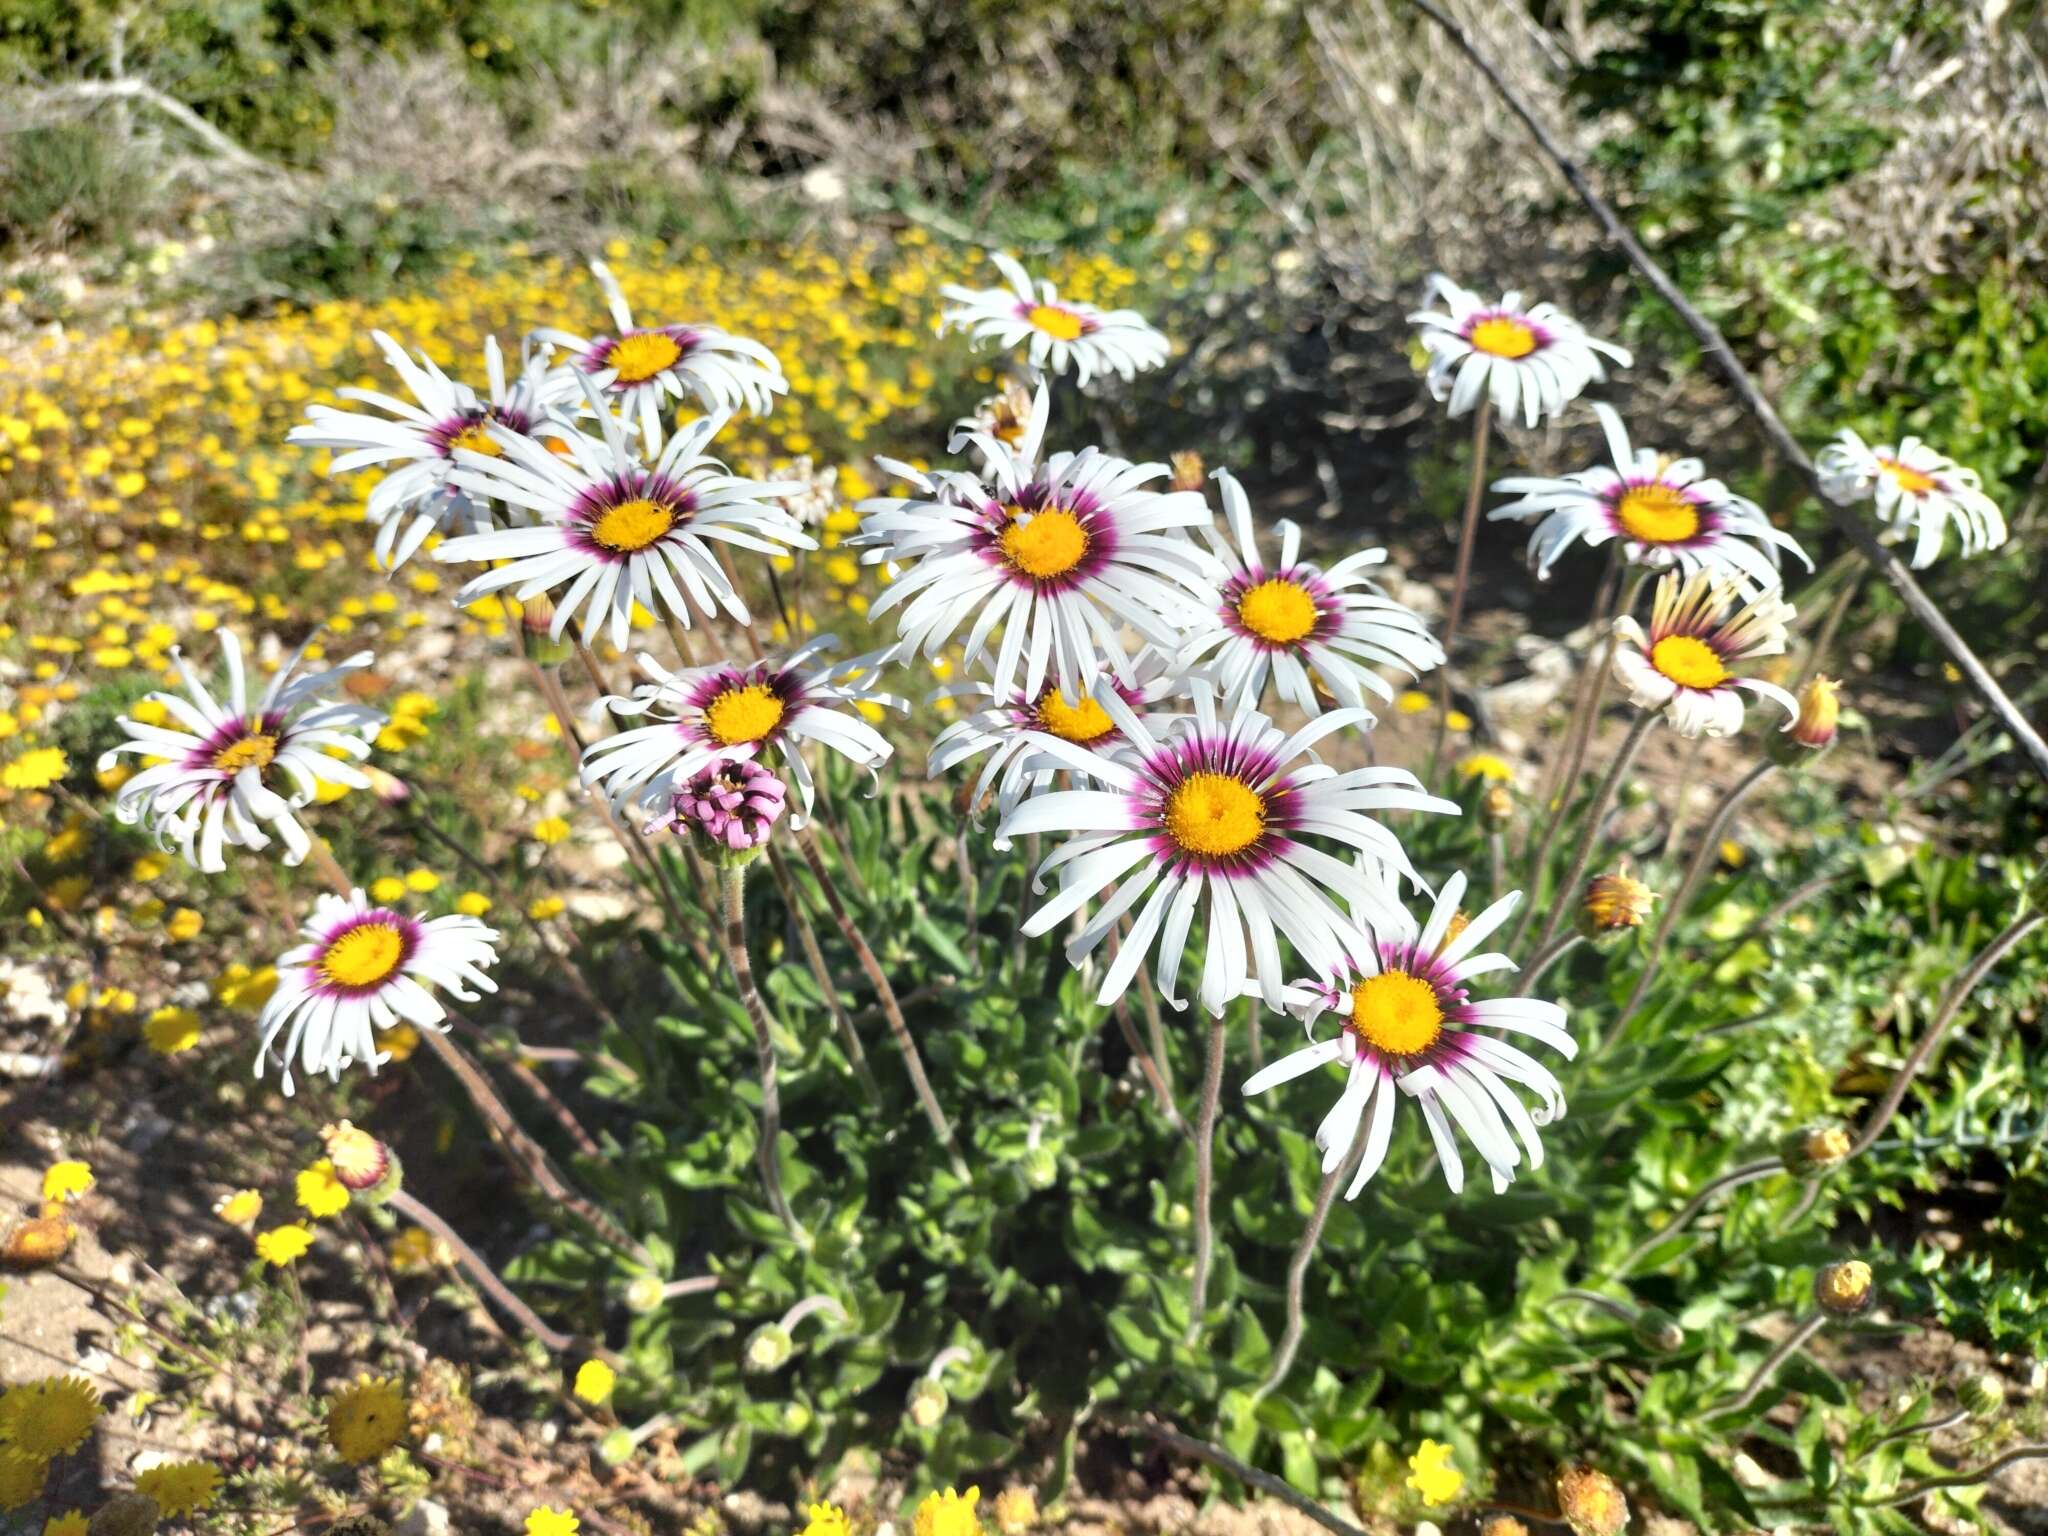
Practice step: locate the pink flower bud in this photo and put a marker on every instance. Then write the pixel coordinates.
(732, 805)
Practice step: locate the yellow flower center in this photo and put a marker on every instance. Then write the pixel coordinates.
(1279, 612)
(1215, 815)
(1912, 481)
(640, 356)
(1395, 1013)
(740, 715)
(476, 437)
(1657, 514)
(1500, 336)
(255, 750)
(1044, 545)
(1688, 662)
(364, 956)
(1083, 722)
(1058, 323)
(633, 525)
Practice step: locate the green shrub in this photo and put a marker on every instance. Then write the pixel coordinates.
(69, 184)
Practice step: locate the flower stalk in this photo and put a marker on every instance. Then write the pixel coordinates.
(1565, 896)
(732, 881)
(1205, 1173)
(1482, 419)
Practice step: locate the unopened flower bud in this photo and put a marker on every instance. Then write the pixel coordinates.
(796, 1418)
(360, 1159)
(1844, 1289)
(928, 1403)
(1818, 1146)
(1590, 1502)
(617, 1447)
(1615, 902)
(1820, 711)
(729, 808)
(536, 623)
(1981, 1392)
(1503, 1525)
(769, 1347)
(1041, 1167)
(125, 1514)
(390, 789)
(643, 1294)
(1658, 1330)
(1187, 470)
(1497, 805)
(1016, 1511)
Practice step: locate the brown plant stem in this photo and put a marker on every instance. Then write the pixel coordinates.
(555, 1341)
(885, 996)
(1468, 535)
(1252, 1477)
(1602, 622)
(1787, 1347)
(1667, 921)
(1851, 521)
(1565, 896)
(1205, 1173)
(807, 937)
(1121, 1009)
(732, 882)
(679, 637)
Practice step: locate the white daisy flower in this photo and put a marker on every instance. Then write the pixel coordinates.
(1701, 626)
(1299, 624)
(1216, 816)
(1061, 555)
(362, 969)
(1059, 331)
(616, 531)
(634, 371)
(1917, 490)
(705, 713)
(1411, 1028)
(1004, 415)
(1005, 724)
(421, 437)
(219, 771)
(1531, 361)
(1661, 508)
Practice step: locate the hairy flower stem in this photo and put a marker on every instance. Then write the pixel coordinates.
(1205, 1173)
(732, 881)
(1545, 958)
(1155, 1031)
(1710, 841)
(885, 995)
(1161, 1094)
(807, 937)
(1468, 535)
(1825, 640)
(1304, 1252)
(1789, 1346)
(406, 1204)
(679, 637)
(1748, 1173)
(1252, 1477)
(1601, 624)
(1565, 897)
(1959, 990)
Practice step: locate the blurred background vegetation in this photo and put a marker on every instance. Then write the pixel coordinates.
(1852, 188)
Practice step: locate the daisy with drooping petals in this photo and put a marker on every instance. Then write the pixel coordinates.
(1299, 624)
(616, 531)
(1215, 815)
(1061, 555)
(705, 713)
(1410, 1027)
(1661, 508)
(1918, 492)
(362, 969)
(1700, 627)
(227, 770)
(1058, 331)
(1004, 725)
(1531, 361)
(422, 439)
(634, 371)
(1004, 415)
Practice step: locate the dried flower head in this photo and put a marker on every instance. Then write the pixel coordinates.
(1614, 902)
(1188, 470)
(1016, 1511)
(1590, 1502)
(1820, 710)
(1845, 1289)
